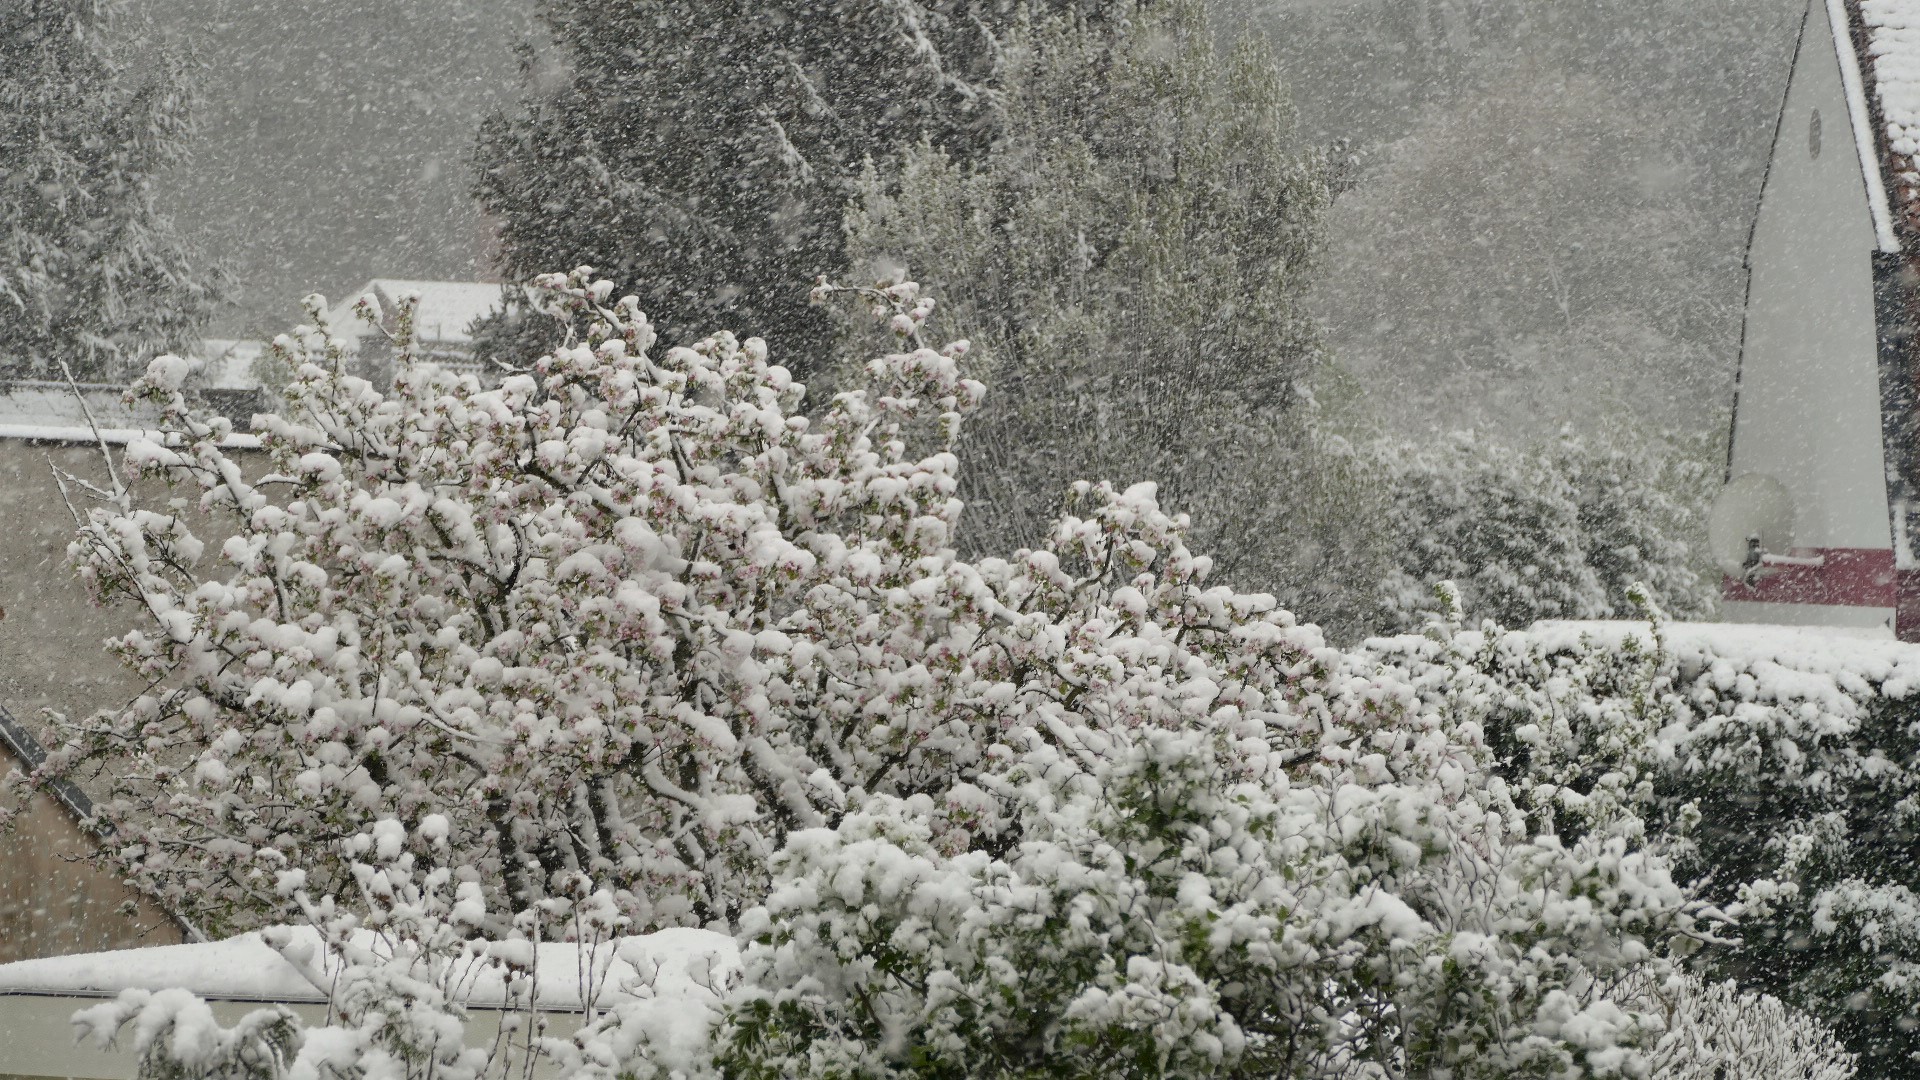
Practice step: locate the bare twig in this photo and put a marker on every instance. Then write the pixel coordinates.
(86, 410)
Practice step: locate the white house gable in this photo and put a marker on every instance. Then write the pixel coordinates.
(1809, 403)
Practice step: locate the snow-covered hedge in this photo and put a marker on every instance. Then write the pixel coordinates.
(1777, 770)
(628, 642)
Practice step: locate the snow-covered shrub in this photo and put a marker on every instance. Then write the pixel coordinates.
(1643, 502)
(1561, 531)
(1500, 523)
(1284, 863)
(1777, 770)
(1717, 1031)
(1201, 843)
(1184, 911)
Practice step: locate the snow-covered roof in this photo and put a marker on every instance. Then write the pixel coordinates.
(1892, 59)
(448, 309)
(34, 409)
(227, 364)
(667, 965)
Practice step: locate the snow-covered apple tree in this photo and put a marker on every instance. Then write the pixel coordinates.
(624, 615)
(627, 643)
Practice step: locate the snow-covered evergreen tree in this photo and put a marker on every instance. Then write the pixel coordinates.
(91, 273)
(1129, 265)
(701, 152)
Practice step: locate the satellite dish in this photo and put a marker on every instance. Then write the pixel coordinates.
(1751, 528)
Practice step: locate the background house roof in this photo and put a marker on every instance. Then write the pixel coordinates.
(1892, 59)
(447, 311)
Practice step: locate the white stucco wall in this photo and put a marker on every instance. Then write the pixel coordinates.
(1809, 404)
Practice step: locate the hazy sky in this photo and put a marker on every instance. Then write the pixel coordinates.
(1553, 204)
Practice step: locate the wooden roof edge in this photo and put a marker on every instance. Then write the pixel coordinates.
(21, 744)
(31, 754)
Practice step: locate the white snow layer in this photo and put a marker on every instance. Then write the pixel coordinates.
(1893, 41)
(1893, 45)
(1799, 662)
(1862, 128)
(684, 965)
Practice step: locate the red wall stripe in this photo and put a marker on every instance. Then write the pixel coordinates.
(1852, 577)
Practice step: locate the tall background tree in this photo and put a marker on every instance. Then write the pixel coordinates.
(91, 273)
(701, 153)
(1130, 265)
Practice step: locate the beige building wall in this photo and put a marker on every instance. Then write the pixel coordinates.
(52, 903)
(51, 656)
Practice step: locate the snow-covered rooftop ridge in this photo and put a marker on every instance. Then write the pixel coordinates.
(27, 754)
(448, 309)
(32, 409)
(1893, 54)
(1893, 44)
(1860, 120)
(667, 965)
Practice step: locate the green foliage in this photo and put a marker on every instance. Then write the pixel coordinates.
(91, 273)
(1129, 265)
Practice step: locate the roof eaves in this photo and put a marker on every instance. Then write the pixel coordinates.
(1853, 40)
(21, 744)
(24, 746)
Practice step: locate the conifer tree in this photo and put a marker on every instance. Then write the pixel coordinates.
(1130, 266)
(91, 272)
(701, 152)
